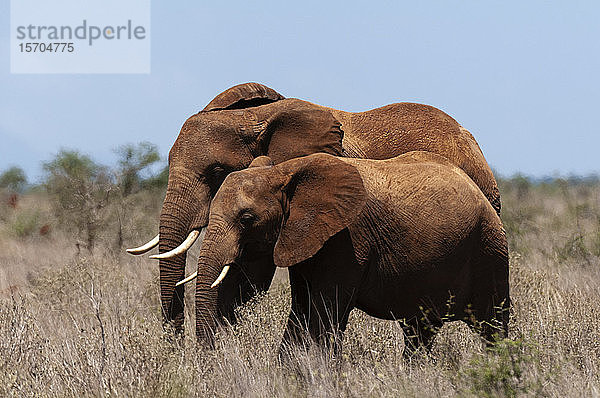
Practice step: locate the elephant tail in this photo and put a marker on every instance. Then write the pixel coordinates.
(493, 240)
(494, 199)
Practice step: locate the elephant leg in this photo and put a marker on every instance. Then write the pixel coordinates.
(489, 305)
(419, 332)
(323, 294)
(243, 283)
(489, 317)
(315, 316)
(297, 325)
(313, 320)
(330, 317)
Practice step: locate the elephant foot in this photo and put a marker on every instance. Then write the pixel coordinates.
(418, 334)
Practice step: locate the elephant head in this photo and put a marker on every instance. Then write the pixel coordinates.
(290, 210)
(239, 125)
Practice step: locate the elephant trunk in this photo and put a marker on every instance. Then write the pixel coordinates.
(214, 255)
(183, 210)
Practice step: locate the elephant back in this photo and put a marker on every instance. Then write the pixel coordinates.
(245, 95)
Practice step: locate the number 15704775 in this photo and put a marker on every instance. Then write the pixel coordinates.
(46, 47)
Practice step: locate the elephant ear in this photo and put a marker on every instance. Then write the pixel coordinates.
(301, 131)
(325, 196)
(245, 95)
(261, 161)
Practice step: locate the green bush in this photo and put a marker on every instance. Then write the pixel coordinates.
(133, 160)
(501, 371)
(13, 179)
(81, 190)
(574, 248)
(158, 181)
(25, 223)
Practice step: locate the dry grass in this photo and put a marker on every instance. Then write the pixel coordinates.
(89, 325)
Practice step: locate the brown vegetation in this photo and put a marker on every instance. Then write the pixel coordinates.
(89, 324)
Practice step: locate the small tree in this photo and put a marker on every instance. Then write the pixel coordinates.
(133, 160)
(158, 181)
(13, 179)
(81, 189)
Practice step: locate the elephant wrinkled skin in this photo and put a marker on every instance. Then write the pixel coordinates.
(410, 238)
(250, 120)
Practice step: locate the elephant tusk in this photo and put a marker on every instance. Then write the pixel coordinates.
(186, 280)
(182, 248)
(145, 247)
(221, 277)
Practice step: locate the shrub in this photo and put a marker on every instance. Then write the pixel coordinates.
(501, 371)
(80, 189)
(158, 181)
(13, 179)
(25, 223)
(133, 160)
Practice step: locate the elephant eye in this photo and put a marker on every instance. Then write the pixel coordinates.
(215, 175)
(247, 219)
(218, 170)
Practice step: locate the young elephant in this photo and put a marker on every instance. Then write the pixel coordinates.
(410, 238)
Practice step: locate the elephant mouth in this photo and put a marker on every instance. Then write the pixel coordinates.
(255, 249)
(223, 274)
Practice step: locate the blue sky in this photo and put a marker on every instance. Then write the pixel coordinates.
(523, 77)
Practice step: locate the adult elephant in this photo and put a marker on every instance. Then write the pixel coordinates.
(250, 120)
(410, 238)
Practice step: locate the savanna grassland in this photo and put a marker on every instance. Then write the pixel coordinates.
(79, 317)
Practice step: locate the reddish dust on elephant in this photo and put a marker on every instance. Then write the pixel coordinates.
(250, 120)
(410, 238)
